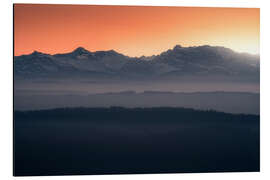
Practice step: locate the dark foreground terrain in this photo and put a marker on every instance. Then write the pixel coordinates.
(138, 140)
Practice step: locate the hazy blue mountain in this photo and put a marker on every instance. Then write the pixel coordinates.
(179, 62)
(78, 62)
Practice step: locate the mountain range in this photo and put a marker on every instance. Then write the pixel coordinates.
(199, 62)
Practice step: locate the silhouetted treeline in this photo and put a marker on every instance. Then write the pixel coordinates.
(121, 113)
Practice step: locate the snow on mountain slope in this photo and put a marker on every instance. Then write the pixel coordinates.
(177, 62)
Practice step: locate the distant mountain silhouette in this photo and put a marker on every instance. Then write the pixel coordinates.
(231, 102)
(179, 62)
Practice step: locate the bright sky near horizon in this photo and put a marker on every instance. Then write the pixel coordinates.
(132, 30)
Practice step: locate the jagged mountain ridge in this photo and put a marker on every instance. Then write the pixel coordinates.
(197, 61)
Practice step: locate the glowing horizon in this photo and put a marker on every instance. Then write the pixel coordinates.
(132, 30)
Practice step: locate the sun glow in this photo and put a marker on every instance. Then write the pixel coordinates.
(132, 30)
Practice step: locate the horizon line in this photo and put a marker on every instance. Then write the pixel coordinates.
(36, 51)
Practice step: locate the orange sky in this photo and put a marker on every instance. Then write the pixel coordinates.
(132, 30)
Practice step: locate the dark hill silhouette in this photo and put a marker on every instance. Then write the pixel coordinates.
(120, 140)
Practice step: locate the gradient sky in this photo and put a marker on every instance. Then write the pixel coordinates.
(132, 30)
